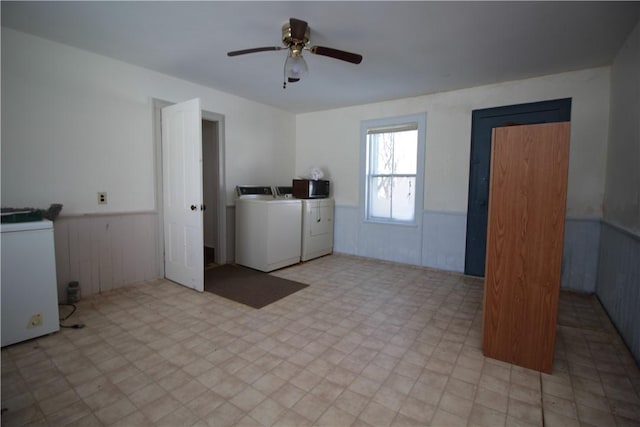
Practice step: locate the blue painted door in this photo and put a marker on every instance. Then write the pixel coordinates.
(483, 121)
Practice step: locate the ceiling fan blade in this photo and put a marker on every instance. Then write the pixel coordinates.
(298, 28)
(254, 50)
(354, 58)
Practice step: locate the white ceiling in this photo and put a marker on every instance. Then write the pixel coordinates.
(409, 48)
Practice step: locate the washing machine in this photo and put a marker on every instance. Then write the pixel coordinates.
(317, 228)
(268, 229)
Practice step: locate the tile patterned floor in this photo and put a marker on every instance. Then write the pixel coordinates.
(367, 344)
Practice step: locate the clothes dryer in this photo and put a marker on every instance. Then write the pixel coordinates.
(317, 228)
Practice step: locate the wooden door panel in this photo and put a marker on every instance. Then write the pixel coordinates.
(524, 243)
(182, 193)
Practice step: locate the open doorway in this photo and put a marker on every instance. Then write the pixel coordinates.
(210, 177)
(213, 186)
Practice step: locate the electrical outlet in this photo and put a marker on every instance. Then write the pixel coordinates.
(102, 197)
(36, 320)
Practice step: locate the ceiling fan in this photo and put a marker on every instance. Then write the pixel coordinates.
(295, 37)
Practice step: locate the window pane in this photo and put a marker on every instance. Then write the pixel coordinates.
(381, 153)
(404, 198)
(405, 149)
(380, 197)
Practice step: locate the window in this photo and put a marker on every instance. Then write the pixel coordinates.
(393, 172)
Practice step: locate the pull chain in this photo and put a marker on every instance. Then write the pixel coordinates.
(284, 78)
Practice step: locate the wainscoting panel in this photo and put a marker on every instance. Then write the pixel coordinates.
(390, 243)
(102, 252)
(443, 239)
(619, 282)
(442, 244)
(346, 222)
(580, 254)
(374, 240)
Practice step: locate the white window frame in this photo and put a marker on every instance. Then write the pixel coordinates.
(393, 122)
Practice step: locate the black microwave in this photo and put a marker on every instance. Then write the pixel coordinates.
(310, 189)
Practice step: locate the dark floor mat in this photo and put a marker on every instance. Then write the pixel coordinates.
(246, 286)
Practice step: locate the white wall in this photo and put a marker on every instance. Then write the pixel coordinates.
(330, 139)
(75, 123)
(622, 197)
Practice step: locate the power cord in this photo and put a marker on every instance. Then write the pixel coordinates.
(74, 308)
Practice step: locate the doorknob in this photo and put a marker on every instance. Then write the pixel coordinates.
(203, 207)
(193, 207)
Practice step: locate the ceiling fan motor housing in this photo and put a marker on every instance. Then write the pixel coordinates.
(294, 44)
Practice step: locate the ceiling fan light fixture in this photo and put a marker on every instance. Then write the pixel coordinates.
(295, 67)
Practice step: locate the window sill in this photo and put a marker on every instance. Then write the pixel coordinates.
(412, 224)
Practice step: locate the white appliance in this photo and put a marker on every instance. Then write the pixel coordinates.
(29, 291)
(317, 228)
(267, 229)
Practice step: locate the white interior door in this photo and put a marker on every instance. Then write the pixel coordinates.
(182, 194)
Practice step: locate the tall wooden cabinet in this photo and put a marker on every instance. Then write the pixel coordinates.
(525, 232)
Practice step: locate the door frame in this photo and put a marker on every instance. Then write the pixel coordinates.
(221, 250)
(482, 123)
